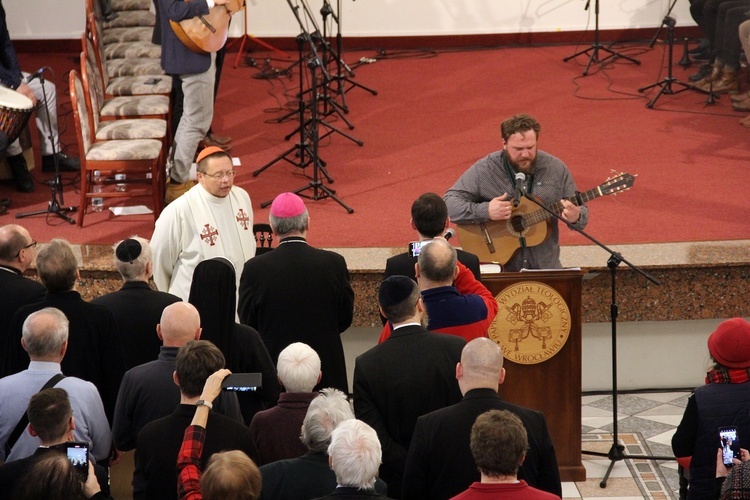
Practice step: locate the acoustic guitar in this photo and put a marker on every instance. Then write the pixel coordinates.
(207, 33)
(498, 241)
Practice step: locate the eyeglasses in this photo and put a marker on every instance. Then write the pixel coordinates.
(229, 174)
(30, 245)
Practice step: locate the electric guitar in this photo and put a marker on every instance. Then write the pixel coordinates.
(207, 33)
(497, 241)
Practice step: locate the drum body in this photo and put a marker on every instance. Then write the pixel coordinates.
(15, 110)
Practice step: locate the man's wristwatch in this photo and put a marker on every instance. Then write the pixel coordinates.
(202, 402)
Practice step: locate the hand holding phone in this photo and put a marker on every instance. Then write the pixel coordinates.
(242, 382)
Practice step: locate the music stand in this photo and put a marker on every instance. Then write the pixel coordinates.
(617, 451)
(53, 206)
(596, 46)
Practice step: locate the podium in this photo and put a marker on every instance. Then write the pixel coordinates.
(538, 325)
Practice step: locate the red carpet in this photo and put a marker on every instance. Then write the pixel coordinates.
(433, 117)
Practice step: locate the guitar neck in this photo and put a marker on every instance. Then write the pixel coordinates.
(557, 207)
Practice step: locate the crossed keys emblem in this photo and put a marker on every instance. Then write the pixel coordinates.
(528, 313)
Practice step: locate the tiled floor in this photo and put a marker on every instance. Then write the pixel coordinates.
(652, 416)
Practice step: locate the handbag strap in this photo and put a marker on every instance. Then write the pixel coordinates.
(24, 421)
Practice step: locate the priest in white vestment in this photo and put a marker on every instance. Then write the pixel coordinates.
(213, 219)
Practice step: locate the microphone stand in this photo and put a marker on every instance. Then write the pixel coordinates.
(617, 451)
(53, 206)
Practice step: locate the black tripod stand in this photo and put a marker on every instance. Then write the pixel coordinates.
(617, 451)
(53, 206)
(593, 50)
(666, 84)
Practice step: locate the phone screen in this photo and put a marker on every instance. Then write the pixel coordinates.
(78, 454)
(416, 246)
(242, 382)
(730, 444)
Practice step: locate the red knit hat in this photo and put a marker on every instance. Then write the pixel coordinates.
(730, 343)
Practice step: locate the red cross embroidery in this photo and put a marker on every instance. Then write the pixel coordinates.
(209, 234)
(242, 219)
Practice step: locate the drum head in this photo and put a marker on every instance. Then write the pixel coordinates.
(12, 99)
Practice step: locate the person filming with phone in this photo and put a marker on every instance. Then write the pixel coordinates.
(718, 412)
(51, 420)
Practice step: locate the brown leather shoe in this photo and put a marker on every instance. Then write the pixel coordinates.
(175, 190)
(741, 105)
(207, 141)
(740, 97)
(745, 122)
(728, 82)
(222, 140)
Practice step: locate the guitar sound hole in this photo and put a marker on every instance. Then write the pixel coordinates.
(515, 224)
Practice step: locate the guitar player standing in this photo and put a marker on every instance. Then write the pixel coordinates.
(196, 72)
(485, 193)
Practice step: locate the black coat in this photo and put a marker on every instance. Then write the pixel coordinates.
(297, 293)
(403, 264)
(440, 464)
(159, 442)
(94, 351)
(16, 291)
(408, 375)
(137, 310)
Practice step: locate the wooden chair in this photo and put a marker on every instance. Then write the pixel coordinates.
(137, 158)
(125, 18)
(126, 57)
(263, 238)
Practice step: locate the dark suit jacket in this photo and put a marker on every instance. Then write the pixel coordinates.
(159, 442)
(137, 310)
(11, 472)
(176, 58)
(303, 478)
(298, 293)
(94, 351)
(408, 375)
(440, 464)
(403, 264)
(10, 71)
(16, 291)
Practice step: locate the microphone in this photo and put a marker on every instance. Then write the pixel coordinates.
(520, 179)
(36, 74)
(450, 233)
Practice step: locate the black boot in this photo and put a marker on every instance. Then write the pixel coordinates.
(21, 176)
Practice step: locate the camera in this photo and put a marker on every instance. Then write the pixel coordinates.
(242, 382)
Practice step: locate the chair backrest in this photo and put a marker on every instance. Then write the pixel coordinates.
(92, 35)
(92, 89)
(263, 238)
(84, 130)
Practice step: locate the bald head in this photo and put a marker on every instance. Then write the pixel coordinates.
(437, 264)
(13, 239)
(180, 323)
(481, 365)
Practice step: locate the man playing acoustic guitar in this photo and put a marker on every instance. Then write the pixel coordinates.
(485, 192)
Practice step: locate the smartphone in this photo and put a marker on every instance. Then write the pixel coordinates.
(242, 382)
(416, 246)
(152, 81)
(78, 454)
(730, 444)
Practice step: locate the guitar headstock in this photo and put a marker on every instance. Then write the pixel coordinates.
(619, 183)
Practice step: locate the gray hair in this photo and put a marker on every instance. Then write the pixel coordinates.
(57, 266)
(298, 367)
(132, 271)
(437, 261)
(355, 454)
(324, 414)
(286, 225)
(44, 332)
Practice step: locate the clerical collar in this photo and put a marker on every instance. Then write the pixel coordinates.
(293, 239)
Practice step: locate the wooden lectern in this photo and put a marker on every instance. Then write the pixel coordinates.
(553, 385)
